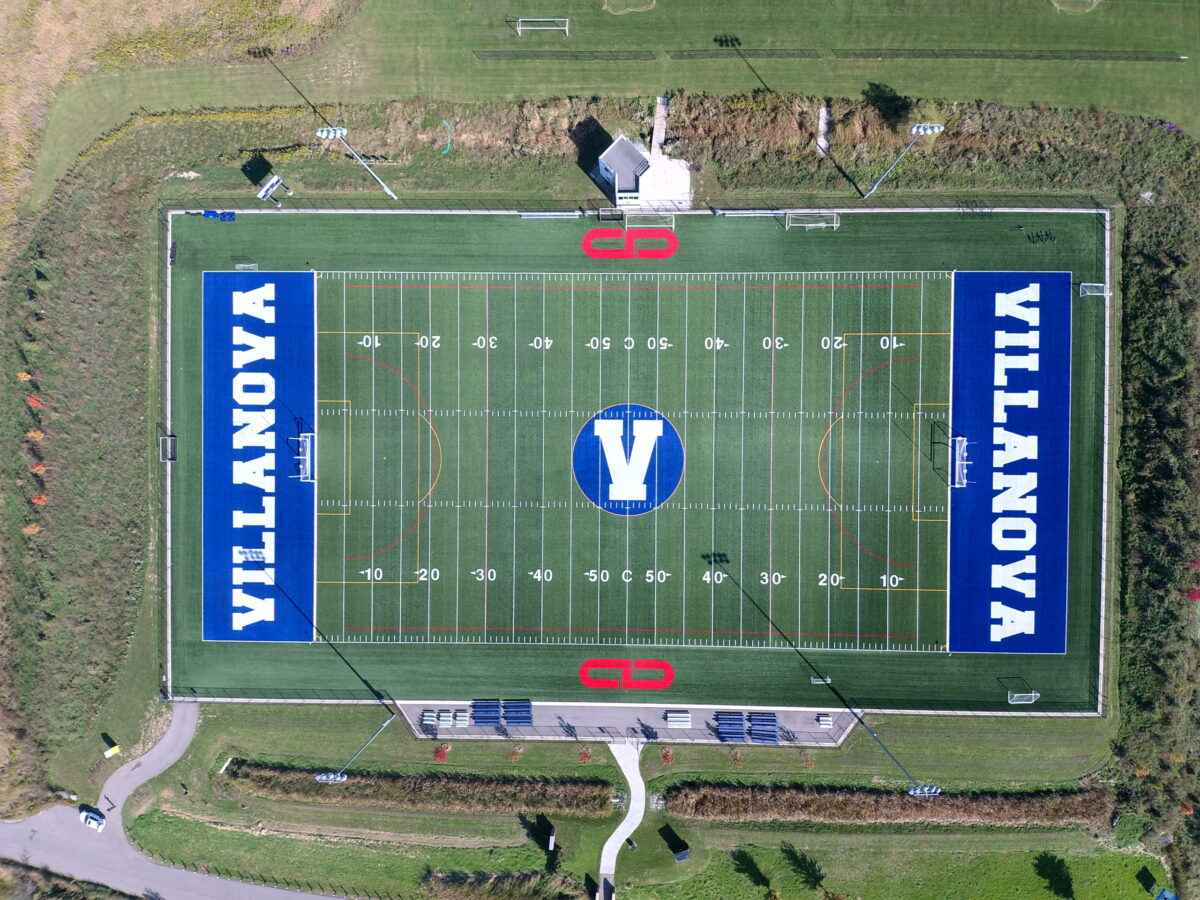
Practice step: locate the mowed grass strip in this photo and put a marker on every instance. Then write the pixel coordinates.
(447, 793)
(341, 866)
(1082, 809)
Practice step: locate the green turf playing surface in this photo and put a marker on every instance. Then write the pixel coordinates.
(807, 373)
(449, 405)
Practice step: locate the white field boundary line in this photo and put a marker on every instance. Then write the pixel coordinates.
(1105, 487)
(702, 211)
(170, 485)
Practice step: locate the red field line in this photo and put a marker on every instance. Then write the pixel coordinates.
(626, 630)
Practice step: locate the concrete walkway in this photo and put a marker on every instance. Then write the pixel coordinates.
(626, 755)
(56, 840)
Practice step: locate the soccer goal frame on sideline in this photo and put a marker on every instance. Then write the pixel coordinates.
(552, 23)
(809, 221)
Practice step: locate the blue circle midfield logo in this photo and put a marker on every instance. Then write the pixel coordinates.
(628, 459)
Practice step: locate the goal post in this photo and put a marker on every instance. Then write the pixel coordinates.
(306, 458)
(1017, 698)
(809, 221)
(544, 24)
(958, 462)
(650, 220)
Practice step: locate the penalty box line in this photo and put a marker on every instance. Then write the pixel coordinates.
(891, 336)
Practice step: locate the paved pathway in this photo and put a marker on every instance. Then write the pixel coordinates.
(626, 755)
(56, 840)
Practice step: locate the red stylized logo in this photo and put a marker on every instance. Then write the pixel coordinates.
(626, 667)
(630, 249)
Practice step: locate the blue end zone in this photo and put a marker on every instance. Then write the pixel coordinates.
(1011, 400)
(259, 396)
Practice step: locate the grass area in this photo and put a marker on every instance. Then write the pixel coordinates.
(745, 864)
(261, 836)
(350, 867)
(176, 812)
(976, 753)
(419, 49)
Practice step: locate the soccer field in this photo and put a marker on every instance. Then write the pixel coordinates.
(813, 408)
(519, 479)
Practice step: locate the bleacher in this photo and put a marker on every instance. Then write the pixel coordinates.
(764, 728)
(731, 727)
(518, 713)
(485, 713)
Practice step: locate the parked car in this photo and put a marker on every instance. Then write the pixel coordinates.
(92, 819)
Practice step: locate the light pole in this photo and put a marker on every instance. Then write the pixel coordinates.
(340, 775)
(330, 132)
(918, 132)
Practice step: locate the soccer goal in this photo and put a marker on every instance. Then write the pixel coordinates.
(306, 457)
(1027, 697)
(958, 462)
(1093, 290)
(650, 220)
(550, 24)
(610, 214)
(809, 221)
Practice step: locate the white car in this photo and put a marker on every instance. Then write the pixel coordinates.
(92, 819)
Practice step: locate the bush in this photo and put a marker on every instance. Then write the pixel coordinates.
(444, 793)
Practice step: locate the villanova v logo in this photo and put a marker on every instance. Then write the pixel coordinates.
(628, 459)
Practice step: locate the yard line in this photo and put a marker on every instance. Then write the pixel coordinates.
(429, 519)
(373, 458)
(657, 332)
(858, 557)
(345, 456)
(799, 575)
(487, 439)
(712, 589)
(684, 592)
(829, 518)
(570, 485)
(628, 399)
(542, 493)
(919, 423)
(513, 565)
(887, 594)
(742, 473)
(458, 452)
(599, 402)
(771, 479)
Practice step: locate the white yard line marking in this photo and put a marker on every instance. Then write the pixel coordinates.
(542, 490)
(571, 487)
(712, 588)
(742, 473)
(458, 452)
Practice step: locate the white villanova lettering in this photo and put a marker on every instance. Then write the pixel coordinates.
(628, 474)
(253, 392)
(1014, 497)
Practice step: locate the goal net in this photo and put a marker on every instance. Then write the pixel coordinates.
(809, 221)
(1026, 697)
(650, 220)
(550, 24)
(306, 459)
(1093, 290)
(958, 462)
